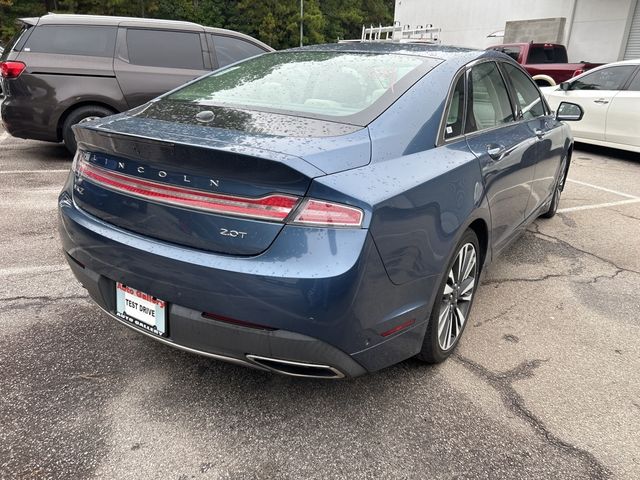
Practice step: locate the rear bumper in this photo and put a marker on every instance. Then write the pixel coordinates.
(194, 334)
(326, 304)
(24, 119)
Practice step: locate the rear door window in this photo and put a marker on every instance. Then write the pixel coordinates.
(513, 52)
(611, 78)
(488, 99)
(527, 95)
(232, 49)
(93, 41)
(165, 48)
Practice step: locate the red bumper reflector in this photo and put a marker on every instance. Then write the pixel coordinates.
(398, 328)
(233, 321)
(274, 207)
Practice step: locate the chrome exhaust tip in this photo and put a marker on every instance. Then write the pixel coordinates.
(297, 369)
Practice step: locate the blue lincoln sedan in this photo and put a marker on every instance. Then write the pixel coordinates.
(321, 212)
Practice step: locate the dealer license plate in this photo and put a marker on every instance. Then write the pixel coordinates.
(141, 309)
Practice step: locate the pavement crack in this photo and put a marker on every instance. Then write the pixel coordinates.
(611, 263)
(632, 217)
(495, 281)
(603, 277)
(514, 402)
(9, 303)
(496, 317)
(46, 298)
(591, 281)
(524, 370)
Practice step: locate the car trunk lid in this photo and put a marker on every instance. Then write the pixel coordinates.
(217, 189)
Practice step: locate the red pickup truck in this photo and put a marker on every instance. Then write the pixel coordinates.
(547, 63)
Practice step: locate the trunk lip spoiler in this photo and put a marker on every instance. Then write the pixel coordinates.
(310, 169)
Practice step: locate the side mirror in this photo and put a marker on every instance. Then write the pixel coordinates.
(565, 86)
(569, 112)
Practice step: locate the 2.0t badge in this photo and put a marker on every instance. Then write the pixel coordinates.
(232, 233)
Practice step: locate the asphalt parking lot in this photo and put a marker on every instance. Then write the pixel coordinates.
(544, 384)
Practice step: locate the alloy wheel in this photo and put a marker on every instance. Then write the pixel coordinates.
(457, 295)
(89, 119)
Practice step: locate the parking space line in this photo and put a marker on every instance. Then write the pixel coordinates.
(598, 205)
(6, 272)
(33, 171)
(615, 192)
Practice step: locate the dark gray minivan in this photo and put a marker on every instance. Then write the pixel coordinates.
(60, 70)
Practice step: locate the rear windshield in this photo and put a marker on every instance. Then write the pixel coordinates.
(513, 52)
(339, 86)
(550, 54)
(94, 41)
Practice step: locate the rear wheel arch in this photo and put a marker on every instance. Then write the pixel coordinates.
(432, 351)
(481, 229)
(567, 165)
(88, 103)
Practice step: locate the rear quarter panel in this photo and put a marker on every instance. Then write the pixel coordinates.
(420, 205)
(425, 196)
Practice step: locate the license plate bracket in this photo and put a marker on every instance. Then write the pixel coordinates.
(141, 309)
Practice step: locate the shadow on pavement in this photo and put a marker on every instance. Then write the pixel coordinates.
(608, 152)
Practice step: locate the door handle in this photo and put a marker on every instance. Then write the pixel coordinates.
(539, 133)
(496, 151)
(601, 101)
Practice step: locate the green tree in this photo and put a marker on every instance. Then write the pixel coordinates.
(10, 10)
(276, 22)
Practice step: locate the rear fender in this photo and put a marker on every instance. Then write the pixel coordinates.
(420, 206)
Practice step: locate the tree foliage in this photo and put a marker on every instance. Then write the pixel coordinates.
(275, 22)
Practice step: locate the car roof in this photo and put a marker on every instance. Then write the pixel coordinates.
(454, 56)
(622, 62)
(419, 49)
(105, 20)
(57, 19)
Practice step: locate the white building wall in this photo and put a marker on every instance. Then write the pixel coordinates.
(595, 30)
(600, 30)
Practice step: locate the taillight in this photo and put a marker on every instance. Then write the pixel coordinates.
(274, 207)
(328, 214)
(11, 69)
(579, 71)
(271, 207)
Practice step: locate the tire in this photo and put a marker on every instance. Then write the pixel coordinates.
(557, 192)
(452, 306)
(79, 115)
